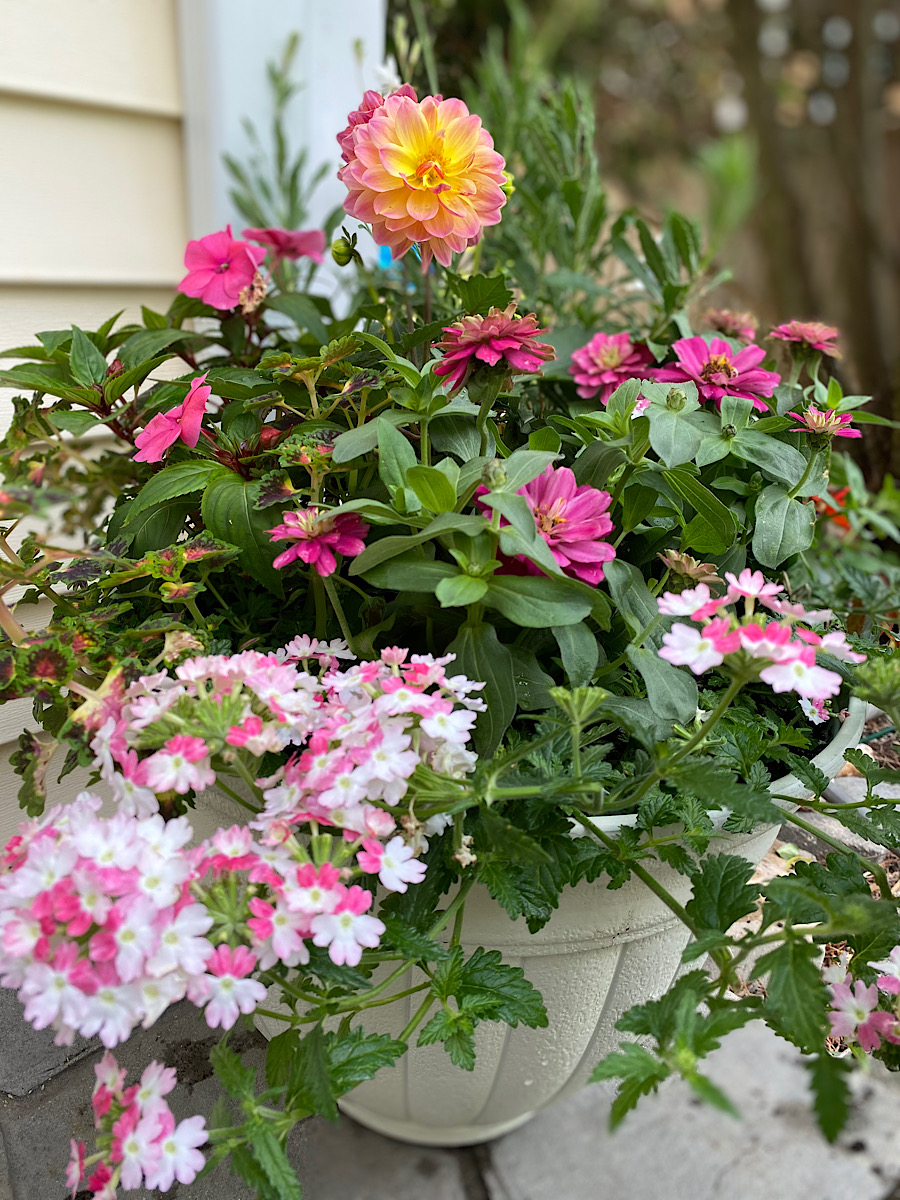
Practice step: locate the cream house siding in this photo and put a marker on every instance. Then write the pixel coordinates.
(93, 210)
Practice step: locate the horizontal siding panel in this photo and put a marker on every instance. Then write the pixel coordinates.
(93, 197)
(120, 53)
(25, 311)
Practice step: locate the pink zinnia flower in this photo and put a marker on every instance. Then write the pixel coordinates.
(718, 371)
(183, 421)
(811, 335)
(424, 173)
(500, 337)
(293, 244)
(572, 520)
(219, 268)
(371, 102)
(318, 537)
(831, 424)
(606, 361)
(739, 325)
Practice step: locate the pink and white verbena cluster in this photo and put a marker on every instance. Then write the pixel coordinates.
(856, 1012)
(106, 921)
(782, 651)
(138, 1138)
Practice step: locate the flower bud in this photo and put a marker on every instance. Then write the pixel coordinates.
(344, 252)
(494, 474)
(676, 399)
(729, 431)
(508, 186)
(115, 368)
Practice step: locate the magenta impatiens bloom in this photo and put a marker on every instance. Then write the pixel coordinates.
(500, 337)
(606, 361)
(573, 521)
(830, 423)
(183, 421)
(220, 268)
(718, 371)
(811, 335)
(287, 243)
(317, 537)
(423, 173)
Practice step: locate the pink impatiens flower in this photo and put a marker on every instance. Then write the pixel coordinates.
(292, 244)
(832, 424)
(810, 335)
(317, 537)
(220, 268)
(573, 521)
(500, 338)
(855, 1014)
(718, 371)
(183, 421)
(606, 361)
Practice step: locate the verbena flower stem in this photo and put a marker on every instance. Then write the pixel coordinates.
(236, 796)
(247, 775)
(874, 869)
(417, 1018)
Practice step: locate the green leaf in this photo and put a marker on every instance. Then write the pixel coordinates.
(673, 436)
(796, 994)
(532, 681)
(480, 293)
(460, 590)
(148, 343)
(87, 363)
(279, 1057)
(356, 442)
(639, 1073)
(524, 465)
(356, 1056)
(521, 847)
(481, 656)
(828, 1079)
(500, 992)
(736, 411)
(721, 892)
(27, 376)
(309, 1083)
(230, 514)
(776, 458)
(596, 463)
(706, 504)
(536, 602)
(391, 547)
(155, 528)
(302, 312)
(237, 1079)
(546, 439)
(117, 385)
(579, 650)
(269, 1153)
(433, 488)
(395, 455)
(178, 480)
(410, 942)
(784, 526)
(409, 572)
(76, 420)
(673, 693)
(631, 596)
(456, 1030)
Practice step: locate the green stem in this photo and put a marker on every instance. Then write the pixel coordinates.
(490, 390)
(813, 460)
(417, 1018)
(235, 796)
(244, 771)
(331, 592)
(873, 868)
(318, 588)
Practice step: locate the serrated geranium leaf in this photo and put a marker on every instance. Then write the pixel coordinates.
(456, 1031)
(721, 892)
(828, 1079)
(797, 998)
(357, 1056)
(639, 1073)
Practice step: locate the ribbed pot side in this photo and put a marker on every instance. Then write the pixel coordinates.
(601, 952)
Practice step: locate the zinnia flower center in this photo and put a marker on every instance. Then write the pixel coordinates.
(549, 516)
(718, 364)
(609, 356)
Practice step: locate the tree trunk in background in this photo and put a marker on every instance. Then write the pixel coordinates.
(779, 217)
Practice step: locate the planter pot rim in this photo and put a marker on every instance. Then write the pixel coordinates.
(827, 758)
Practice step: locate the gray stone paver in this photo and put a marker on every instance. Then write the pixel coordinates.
(670, 1148)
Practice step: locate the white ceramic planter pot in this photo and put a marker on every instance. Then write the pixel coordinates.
(600, 953)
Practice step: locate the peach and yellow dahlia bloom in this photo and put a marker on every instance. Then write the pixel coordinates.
(424, 173)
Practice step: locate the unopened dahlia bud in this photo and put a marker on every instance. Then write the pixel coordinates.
(344, 252)
(508, 185)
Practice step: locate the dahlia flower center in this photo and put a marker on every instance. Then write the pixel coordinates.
(430, 175)
(718, 364)
(549, 516)
(609, 356)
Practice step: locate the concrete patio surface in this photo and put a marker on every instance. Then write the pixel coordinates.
(670, 1148)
